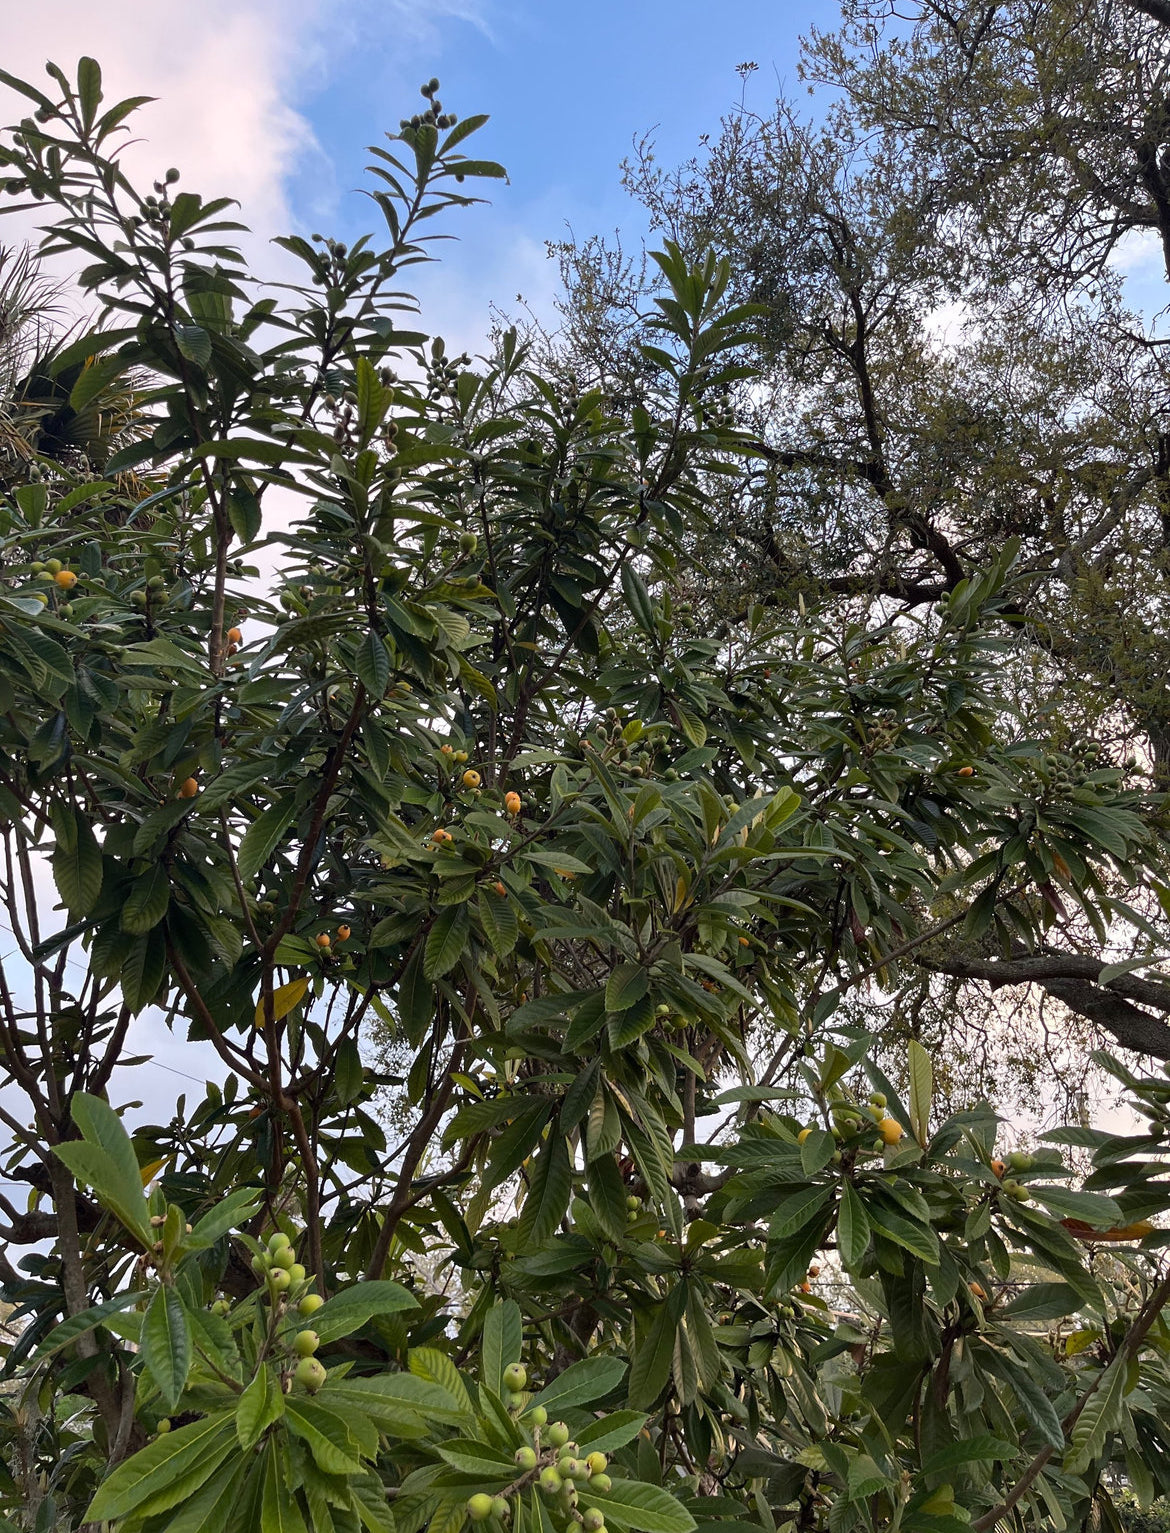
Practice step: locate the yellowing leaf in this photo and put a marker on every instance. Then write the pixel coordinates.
(283, 1000)
(150, 1172)
(1081, 1341)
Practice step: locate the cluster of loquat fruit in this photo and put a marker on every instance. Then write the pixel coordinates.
(1018, 1160)
(853, 1120)
(471, 780)
(552, 1463)
(287, 1283)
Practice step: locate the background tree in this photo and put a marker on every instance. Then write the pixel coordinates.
(949, 363)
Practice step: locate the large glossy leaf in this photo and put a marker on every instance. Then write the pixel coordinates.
(324, 1435)
(446, 940)
(350, 1309)
(549, 1189)
(105, 1161)
(501, 1343)
(77, 1325)
(654, 1353)
(279, 1510)
(1097, 1419)
(581, 1383)
(166, 1344)
(77, 861)
(648, 1508)
(263, 835)
(166, 1468)
(261, 1404)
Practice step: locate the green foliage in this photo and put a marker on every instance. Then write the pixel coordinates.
(466, 785)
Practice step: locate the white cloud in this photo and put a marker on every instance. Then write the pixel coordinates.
(223, 74)
(233, 81)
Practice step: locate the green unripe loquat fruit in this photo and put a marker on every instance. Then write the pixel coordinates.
(515, 1377)
(479, 1507)
(305, 1343)
(310, 1374)
(310, 1304)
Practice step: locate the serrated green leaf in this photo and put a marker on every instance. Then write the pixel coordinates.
(501, 1343)
(852, 1228)
(1097, 1419)
(194, 343)
(261, 1404)
(653, 1359)
(144, 969)
(582, 1383)
(430, 1364)
(324, 1435)
(807, 1206)
(499, 921)
(1073, 1203)
(77, 861)
(638, 599)
(627, 983)
(610, 1432)
(263, 836)
(279, 1512)
(147, 902)
(446, 940)
(210, 1509)
(166, 1345)
(644, 1508)
(105, 1160)
(921, 1091)
(350, 1309)
(372, 663)
(165, 1466)
(548, 1191)
(89, 1319)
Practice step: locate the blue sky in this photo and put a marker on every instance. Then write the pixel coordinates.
(569, 89)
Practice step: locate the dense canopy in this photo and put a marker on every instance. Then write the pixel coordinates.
(568, 851)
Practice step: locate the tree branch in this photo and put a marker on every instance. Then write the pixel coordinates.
(1157, 10)
(1126, 1006)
